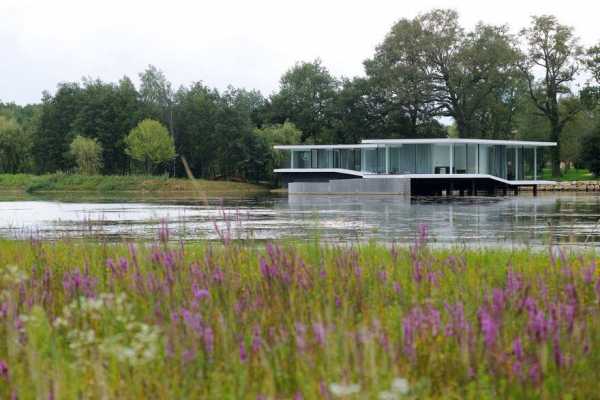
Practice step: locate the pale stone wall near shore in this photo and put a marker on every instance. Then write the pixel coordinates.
(572, 186)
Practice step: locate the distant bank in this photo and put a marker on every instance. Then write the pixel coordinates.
(116, 183)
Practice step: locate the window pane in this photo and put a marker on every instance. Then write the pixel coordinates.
(471, 158)
(407, 163)
(302, 159)
(441, 159)
(460, 158)
(424, 165)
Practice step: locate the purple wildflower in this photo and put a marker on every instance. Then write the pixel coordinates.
(243, 353)
(588, 274)
(300, 336)
(518, 349)
(514, 283)
(489, 328)
(123, 265)
(208, 338)
(498, 302)
(535, 374)
(256, 340)
(200, 294)
(319, 332)
(3, 369)
(457, 326)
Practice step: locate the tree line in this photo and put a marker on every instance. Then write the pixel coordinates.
(488, 82)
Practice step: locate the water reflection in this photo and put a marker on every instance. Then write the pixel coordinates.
(513, 221)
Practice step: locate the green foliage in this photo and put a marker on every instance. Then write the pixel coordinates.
(88, 155)
(150, 143)
(592, 61)
(555, 48)
(15, 146)
(272, 135)
(306, 95)
(590, 151)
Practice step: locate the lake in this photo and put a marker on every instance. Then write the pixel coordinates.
(566, 218)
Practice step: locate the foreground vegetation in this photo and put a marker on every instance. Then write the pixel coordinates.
(139, 183)
(231, 320)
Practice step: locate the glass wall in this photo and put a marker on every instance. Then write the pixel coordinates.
(472, 158)
(349, 159)
(526, 164)
(324, 158)
(370, 160)
(507, 162)
(511, 162)
(441, 158)
(407, 159)
(301, 158)
(484, 158)
(460, 158)
(497, 161)
(424, 164)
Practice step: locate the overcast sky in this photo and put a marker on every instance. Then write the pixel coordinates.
(239, 42)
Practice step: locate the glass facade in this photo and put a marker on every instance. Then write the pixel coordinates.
(508, 162)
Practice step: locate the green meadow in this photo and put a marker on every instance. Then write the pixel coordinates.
(82, 320)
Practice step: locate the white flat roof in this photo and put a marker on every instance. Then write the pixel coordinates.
(324, 146)
(451, 141)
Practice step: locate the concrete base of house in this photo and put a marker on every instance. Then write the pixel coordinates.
(397, 186)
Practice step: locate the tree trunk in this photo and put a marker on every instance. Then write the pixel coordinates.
(555, 151)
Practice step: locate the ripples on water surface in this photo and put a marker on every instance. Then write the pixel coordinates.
(512, 221)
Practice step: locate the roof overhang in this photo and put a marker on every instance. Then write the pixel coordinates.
(324, 146)
(459, 141)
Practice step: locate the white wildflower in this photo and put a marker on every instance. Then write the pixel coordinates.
(12, 275)
(340, 390)
(388, 395)
(400, 385)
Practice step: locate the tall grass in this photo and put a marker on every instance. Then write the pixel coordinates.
(105, 183)
(292, 320)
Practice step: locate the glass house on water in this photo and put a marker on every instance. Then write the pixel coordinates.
(430, 166)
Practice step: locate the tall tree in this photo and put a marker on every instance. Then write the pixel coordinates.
(87, 154)
(592, 61)
(196, 114)
(306, 94)
(157, 96)
(400, 74)
(15, 146)
(469, 71)
(107, 112)
(150, 143)
(55, 134)
(553, 52)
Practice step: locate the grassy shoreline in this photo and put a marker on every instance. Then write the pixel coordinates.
(295, 320)
(130, 183)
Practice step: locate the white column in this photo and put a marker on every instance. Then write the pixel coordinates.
(451, 158)
(535, 163)
(292, 159)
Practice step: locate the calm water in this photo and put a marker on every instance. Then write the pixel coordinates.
(513, 221)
